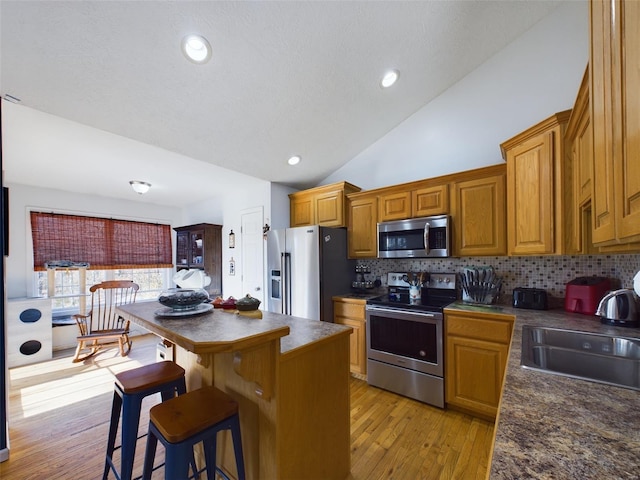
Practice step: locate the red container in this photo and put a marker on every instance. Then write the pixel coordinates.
(583, 294)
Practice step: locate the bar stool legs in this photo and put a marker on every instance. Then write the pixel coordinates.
(182, 422)
(131, 387)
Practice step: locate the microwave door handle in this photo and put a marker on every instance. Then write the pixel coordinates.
(426, 237)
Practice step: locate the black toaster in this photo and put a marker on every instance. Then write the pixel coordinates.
(533, 298)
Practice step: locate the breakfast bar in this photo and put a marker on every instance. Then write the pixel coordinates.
(289, 375)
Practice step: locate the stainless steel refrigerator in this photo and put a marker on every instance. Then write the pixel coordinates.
(307, 266)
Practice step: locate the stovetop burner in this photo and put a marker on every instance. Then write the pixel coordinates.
(436, 293)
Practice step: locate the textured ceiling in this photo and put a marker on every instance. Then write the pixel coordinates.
(285, 77)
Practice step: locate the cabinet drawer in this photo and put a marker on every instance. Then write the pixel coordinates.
(350, 310)
(491, 329)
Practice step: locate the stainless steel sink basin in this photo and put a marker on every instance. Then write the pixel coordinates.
(600, 358)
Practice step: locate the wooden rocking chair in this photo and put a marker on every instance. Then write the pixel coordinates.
(102, 327)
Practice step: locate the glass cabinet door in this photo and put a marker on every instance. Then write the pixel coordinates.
(183, 252)
(197, 241)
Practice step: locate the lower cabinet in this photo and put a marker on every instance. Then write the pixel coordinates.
(351, 312)
(476, 351)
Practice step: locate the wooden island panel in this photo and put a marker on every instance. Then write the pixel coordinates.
(290, 377)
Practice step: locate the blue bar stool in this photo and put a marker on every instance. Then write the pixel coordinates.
(182, 422)
(131, 387)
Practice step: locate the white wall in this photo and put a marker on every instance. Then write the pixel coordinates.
(227, 211)
(22, 199)
(466, 124)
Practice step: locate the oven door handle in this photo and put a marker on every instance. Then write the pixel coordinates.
(401, 312)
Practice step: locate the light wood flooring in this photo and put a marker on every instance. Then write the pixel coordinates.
(59, 419)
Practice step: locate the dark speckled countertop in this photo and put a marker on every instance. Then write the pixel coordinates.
(220, 331)
(555, 427)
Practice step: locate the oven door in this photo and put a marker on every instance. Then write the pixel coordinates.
(405, 339)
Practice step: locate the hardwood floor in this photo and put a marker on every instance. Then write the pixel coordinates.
(59, 419)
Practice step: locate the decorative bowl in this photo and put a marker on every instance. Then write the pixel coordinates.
(247, 303)
(183, 298)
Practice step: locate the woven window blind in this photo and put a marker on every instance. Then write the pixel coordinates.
(104, 243)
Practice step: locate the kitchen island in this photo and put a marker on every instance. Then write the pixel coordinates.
(551, 426)
(289, 375)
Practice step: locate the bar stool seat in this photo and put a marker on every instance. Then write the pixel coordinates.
(184, 421)
(131, 387)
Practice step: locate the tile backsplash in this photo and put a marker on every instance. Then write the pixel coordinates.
(550, 273)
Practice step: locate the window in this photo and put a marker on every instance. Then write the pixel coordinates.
(109, 249)
(69, 289)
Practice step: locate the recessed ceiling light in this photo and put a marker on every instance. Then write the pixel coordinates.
(294, 160)
(140, 187)
(196, 48)
(389, 78)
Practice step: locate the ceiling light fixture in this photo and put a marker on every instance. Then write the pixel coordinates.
(294, 160)
(196, 48)
(140, 187)
(389, 78)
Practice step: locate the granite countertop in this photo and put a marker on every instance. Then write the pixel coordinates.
(555, 427)
(220, 331)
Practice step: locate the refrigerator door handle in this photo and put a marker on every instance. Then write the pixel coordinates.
(285, 260)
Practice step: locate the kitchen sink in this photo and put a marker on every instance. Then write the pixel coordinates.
(609, 359)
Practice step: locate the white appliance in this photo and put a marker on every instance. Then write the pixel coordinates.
(307, 266)
(29, 331)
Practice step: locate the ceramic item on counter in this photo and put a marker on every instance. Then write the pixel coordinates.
(183, 298)
(217, 302)
(247, 303)
(229, 304)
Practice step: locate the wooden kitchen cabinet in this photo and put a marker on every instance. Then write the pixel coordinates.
(362, 225)
(351, 312)
(431, 200)
(535, 187)
(615, 112)
(476, 352)
(325, 205)
(578, 185)
(200, 246)
(478, 212)
(394, 206)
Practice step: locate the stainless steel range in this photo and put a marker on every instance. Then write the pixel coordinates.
(405, 337)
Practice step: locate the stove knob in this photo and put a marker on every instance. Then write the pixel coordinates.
(446, 280)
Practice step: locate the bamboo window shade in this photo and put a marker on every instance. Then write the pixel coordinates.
(104, 243)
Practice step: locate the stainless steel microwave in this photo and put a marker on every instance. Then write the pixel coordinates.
(415, 238)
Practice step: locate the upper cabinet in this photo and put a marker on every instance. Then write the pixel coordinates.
(200, 246)
(535, 188)
(362, 225)
(578, 183)
(394, 205)
(615, 115)
(430, 200)
(478, 212)
(324, 205)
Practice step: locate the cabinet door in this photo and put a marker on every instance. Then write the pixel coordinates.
(394, 206)
(530, 196)
(329, 209)
(183, 252)
(196, 246)
(474, 373)
(479, 222)
(362, 229)
(302, 211)
(430, 201)
(601, 91)
(627, 166)
(357, 345)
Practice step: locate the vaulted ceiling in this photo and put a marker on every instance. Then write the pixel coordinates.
(285, 77)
